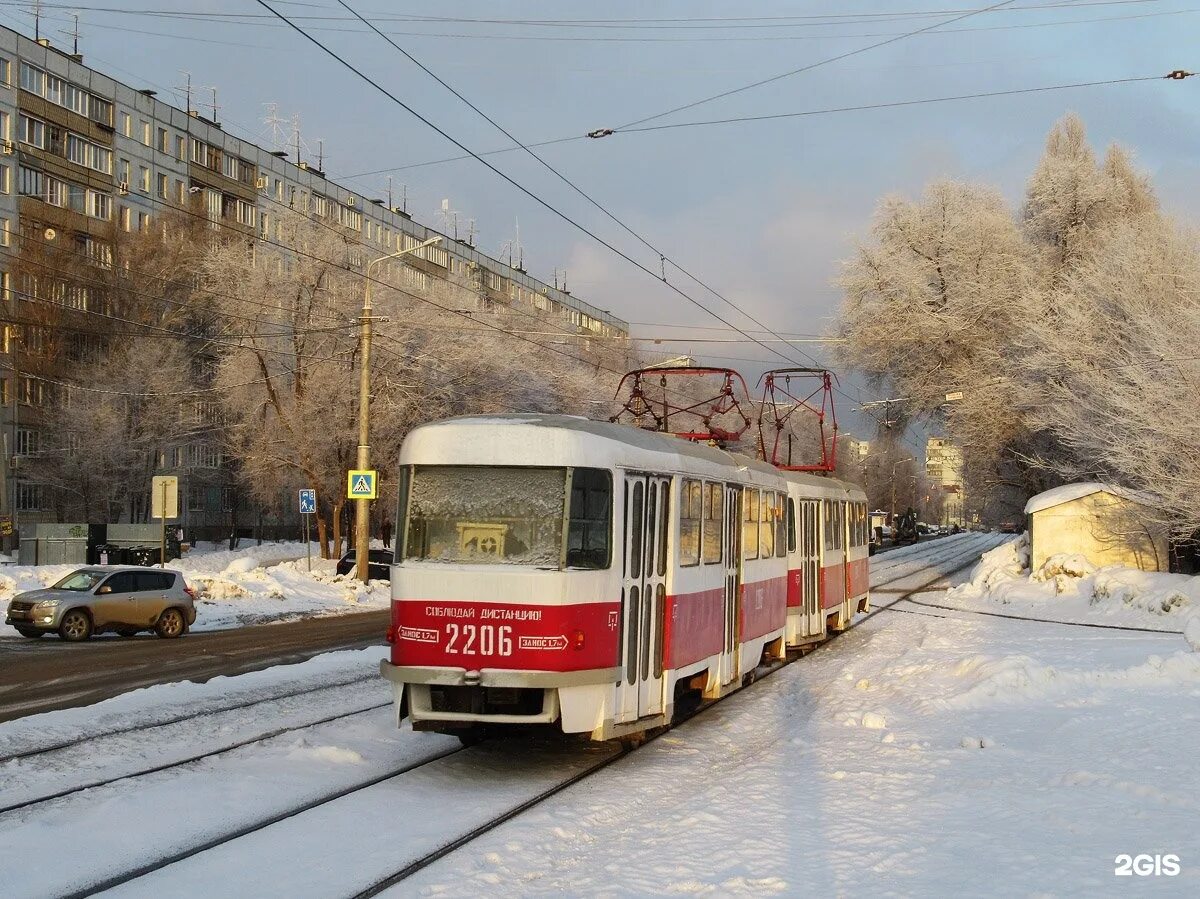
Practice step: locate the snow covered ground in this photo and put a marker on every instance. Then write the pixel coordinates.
(925, 752)
(251, 585)
(1069, 588)
(917, 755)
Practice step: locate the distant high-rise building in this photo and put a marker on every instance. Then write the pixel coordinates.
(944, 473)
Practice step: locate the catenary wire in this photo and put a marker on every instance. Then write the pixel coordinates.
(813, 65)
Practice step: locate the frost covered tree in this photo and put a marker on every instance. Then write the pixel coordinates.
(1116, 379)
(123, 326)
(937, 298)
(290, 388)
(1064, 326)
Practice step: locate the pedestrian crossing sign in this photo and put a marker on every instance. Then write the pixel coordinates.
(361, 484)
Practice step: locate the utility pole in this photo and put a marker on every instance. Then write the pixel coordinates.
(362, 511)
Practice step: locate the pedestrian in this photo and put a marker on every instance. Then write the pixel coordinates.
(386, 530)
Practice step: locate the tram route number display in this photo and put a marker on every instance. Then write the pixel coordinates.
(565, 638)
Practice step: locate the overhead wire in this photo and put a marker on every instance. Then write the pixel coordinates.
(569, 183)
(808, 67)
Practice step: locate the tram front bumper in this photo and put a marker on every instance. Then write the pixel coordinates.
(489, 696)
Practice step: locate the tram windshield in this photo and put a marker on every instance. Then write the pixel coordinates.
(540, 517)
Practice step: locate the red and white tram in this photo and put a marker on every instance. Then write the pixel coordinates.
(557, 570)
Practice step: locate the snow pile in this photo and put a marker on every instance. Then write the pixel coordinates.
(983, 680)
(1068, 587)
(254, 585)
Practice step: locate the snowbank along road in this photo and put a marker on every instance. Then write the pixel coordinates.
(168, 787)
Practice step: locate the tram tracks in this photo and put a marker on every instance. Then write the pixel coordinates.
(47, 748)
(440, 766)
(443, 766)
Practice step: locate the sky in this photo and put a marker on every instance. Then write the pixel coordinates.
(762, 212)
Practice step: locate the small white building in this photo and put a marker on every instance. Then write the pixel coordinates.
(1106, 524)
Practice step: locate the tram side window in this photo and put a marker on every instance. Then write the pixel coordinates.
(664, 515)
(862, 524)
(791, 525)
(780, 527)
(714, 505)
(691, 502)
(750, 524)
(590, 520)
(828, 525)
(767, 519)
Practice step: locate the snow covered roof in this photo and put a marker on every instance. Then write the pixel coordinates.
(1067, 492)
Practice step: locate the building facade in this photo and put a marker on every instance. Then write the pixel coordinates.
(85, 157)
(944, 474)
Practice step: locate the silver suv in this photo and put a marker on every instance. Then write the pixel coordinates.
(106, 597)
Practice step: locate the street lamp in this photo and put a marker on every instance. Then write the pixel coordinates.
(362, 511)
(897, 463)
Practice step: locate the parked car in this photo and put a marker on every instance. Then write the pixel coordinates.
(379, 564)
(106, 598)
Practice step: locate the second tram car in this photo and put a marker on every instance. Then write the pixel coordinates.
(562, 571)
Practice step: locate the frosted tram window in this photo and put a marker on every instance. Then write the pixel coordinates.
(590, 519)
(780, 527)
(690, 510)
(714, 499)
(750, 524)
(484, 515)
(766, 519)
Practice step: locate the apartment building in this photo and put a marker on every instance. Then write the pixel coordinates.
(944, 473)
(84, 157)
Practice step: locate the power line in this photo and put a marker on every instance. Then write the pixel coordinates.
(529, 193)
(537, 198)
(813, 65)
(1175, 76)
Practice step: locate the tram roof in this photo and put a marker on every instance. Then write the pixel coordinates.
(639, 438)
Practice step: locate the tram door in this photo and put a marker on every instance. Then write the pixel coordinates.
(647, 513)
(733, 583)
(810, 538)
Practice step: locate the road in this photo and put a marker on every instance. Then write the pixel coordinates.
(47, 674)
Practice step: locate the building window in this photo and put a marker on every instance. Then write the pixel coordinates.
(144, 179)
(31, 131)
(6, 234)
(162, 185)
(126, 218)
(180, 145)
(98, 205)
(145, 133)
(164, 141)
(181, 191)
(27, 442)
(29, 497)
(31, 392)
(32, 183)
(143, 221)
(83, 152)
(5, 180)
(4, 126)
(126, 125)
(5, 71)
(32, 79)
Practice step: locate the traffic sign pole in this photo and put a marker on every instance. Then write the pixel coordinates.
(308, 507)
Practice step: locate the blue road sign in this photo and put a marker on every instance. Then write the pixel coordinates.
(308, 502)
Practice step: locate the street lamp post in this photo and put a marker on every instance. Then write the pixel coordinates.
(362, 511)
(898, 462)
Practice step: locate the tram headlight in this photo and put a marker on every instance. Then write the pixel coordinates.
(577, 639)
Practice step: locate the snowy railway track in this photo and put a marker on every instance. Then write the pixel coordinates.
(189, 760)
(427, 777)
(1029, 618)
(146, 726)
(416, 781)
(397, 877)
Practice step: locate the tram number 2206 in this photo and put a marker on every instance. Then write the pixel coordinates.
(479, 639)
